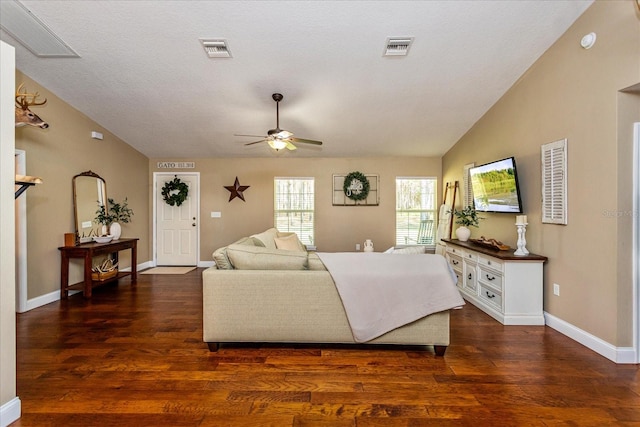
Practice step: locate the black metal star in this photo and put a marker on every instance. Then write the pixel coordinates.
(236, 190)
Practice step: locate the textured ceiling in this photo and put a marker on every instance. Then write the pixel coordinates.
(143, 74)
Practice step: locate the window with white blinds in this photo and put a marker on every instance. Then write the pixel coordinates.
(466, 182)
(294, 207)
(416, 211)
(554, 182)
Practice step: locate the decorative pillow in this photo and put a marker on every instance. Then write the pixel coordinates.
(244, 257)
(410, 250)
(266, 237)
(289, 243)
(220, 255)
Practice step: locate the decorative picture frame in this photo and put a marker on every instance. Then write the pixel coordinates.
(340, 198)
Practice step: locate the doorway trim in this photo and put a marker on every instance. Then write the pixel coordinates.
(636, 241)
(156, 176)
(21, 237)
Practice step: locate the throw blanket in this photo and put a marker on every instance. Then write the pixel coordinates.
(381, 292)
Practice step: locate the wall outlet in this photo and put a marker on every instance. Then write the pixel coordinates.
(556, 289)
(216, 214)
(357, 246)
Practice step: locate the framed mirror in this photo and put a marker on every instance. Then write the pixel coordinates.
(89, 192)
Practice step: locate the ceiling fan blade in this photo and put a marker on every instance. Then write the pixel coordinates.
(252, 136)
(255, 142)
(290, 146)
(306, 141)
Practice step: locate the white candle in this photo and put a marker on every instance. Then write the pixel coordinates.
(524, 219)
(521, 219)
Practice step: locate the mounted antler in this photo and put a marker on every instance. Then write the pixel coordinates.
(24, 116)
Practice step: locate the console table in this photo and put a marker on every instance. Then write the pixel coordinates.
(506, 286)
(87, 251)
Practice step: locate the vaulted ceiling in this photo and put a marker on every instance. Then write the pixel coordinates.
(142, 72)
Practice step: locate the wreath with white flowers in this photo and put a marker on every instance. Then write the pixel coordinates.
(175, 192)
(356, 186)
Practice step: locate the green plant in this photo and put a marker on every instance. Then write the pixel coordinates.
(102, 217)
(118, 212)
(467, 217)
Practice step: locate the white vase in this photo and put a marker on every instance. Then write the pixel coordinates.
(104, 230)
(115, 230)
(463, 233)
(368, 245)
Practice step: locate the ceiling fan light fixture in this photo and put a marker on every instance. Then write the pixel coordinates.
(277, 144)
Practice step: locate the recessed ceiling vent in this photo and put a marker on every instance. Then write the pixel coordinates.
(216, 48)
(397, 46)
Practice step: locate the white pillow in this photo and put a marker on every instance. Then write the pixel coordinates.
(267, 237)
(288, 243)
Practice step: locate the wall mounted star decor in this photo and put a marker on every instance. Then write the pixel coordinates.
(236, 190)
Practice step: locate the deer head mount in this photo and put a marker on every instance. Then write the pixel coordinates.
(24, 116)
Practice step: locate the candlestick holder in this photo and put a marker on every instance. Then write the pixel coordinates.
(522, 241)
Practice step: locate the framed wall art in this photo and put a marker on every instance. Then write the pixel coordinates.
(356, 189)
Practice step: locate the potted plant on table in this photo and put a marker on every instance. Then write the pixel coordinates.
(118, 213)
(467, 217)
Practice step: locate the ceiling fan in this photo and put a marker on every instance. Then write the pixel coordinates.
(279, 138)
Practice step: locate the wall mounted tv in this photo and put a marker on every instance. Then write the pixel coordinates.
(495, 187)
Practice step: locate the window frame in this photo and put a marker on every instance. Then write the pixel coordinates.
(305, 232)
(426, 214)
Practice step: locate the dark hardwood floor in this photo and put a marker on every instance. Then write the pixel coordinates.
(134, 356)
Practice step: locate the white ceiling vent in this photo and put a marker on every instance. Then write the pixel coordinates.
(397, 46)
(216, 48)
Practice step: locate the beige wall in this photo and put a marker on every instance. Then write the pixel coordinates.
(573, 93)
(337, 228)
(57, 154)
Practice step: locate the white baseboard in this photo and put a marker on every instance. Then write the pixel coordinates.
(611, 352)
(55, 295)
(206, 264)
(10, 411)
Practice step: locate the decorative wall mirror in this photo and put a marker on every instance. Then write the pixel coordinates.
(89, 192)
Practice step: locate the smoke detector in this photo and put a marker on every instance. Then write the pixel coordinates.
(397, 46)
(216, 48)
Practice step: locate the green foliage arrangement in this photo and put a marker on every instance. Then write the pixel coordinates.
(356, 186)
(118, 212)
(175, 192)
(467, 217)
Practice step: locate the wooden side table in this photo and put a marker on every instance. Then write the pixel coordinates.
(87, 251)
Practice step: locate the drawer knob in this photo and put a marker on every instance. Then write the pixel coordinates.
(489, 262)
(490, 277)
(490, 295)
(454, 262)
(470, 276)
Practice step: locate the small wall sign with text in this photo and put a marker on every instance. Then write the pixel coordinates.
(176, 165)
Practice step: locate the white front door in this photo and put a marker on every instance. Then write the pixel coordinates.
(177, 227)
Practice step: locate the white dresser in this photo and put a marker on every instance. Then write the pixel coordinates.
(505, 286)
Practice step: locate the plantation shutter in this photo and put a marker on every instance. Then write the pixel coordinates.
(554, 182)
(294, 207)
(468, 191)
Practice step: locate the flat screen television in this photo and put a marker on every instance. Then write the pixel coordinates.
(495, 187)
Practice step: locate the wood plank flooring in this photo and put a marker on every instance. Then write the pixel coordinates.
(134, 356)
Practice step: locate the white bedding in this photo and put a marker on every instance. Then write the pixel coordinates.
(381, 292)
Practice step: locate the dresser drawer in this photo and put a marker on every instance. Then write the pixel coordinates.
(472, 256)
(455, 261)
(455, 251)
(490, 262)
(491, 277)
(491, 296)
